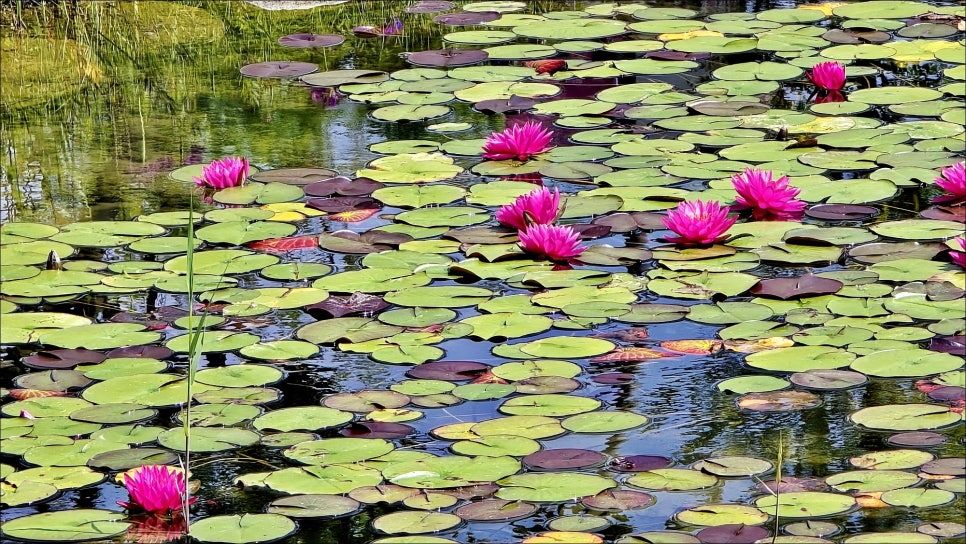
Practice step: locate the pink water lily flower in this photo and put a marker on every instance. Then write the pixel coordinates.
(539, 207)
(959, 257)
(698, 223)
(829, 76)
(156, 489)
(518, 142)
(555, 242)
(953, 181)
(768, 198)
(224, 173)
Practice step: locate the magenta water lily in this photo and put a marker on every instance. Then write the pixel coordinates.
(555, 242)
(698, 223)
(155, 489)
(829, 76)
(767, 198)
(953, 182)
(518, 142)
(539, 207)
(959, 257)
(224, 173)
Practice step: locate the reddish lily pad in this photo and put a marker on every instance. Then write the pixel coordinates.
(498, 105)
(342, 185)
(563, 459)
(731, 533)
(779, 401)
(344, 241)
(376, 429)
(824, 379)
(917, 439)
(495, 510)
(638, 463)
(447, 57)
(802, 286)
(466, 18)
(841, 212)
(310, 41)
(451, 371)
(63, 358)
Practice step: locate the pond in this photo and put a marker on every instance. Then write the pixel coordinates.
(464, 293)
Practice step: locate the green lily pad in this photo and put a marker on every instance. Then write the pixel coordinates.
(720, 514)
(208, 439)
(100, 336)
(450, 471)
(260, 193)
(672, 479)
(242, 529)
(800, 359)
(905, 417)
(603, 422)
(75, 525)
(557, 487)
(242, 232)
(212, 342)
(806, 504)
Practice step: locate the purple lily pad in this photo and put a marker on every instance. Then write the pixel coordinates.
(917, 439)
(429, 6)
(447, 57)
(613, 378)
(449, 371)
(513, 104)
(63, 358)
(731, 533)
(345, 241)
(278, 68)
(294, 176)
(949, 466)
(856, 36)
(356, 303)
(470, 492)
(563, 459)
(948, 393)
(342, 185)
(638, 463)
(945, 213)
(949, 344)
(339, 204)
(377, 429)
(588, 231)
(147, 352)
(495, 510)
(466, 18)
(805, 285)
(618, 500)
(888, 251)
(841, 212)
(310, 41)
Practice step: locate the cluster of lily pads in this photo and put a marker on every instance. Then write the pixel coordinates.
(416, 264)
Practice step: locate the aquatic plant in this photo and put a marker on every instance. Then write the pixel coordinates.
(768, 198)
(959, 257)
(518, 142)
(698, 223)
(156, 489)
(555, 242)
(224, 173)
(829, 76)
(539, 207)
(327, 97)
(953, 181)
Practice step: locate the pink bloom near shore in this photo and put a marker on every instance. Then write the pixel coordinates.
(698, 223)
(518, 142)
(536, 207)
(555, 242)
(156, 489)
(827, 75)
(953, 181)
(959, 257)
(224, 173)
(768, 198)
